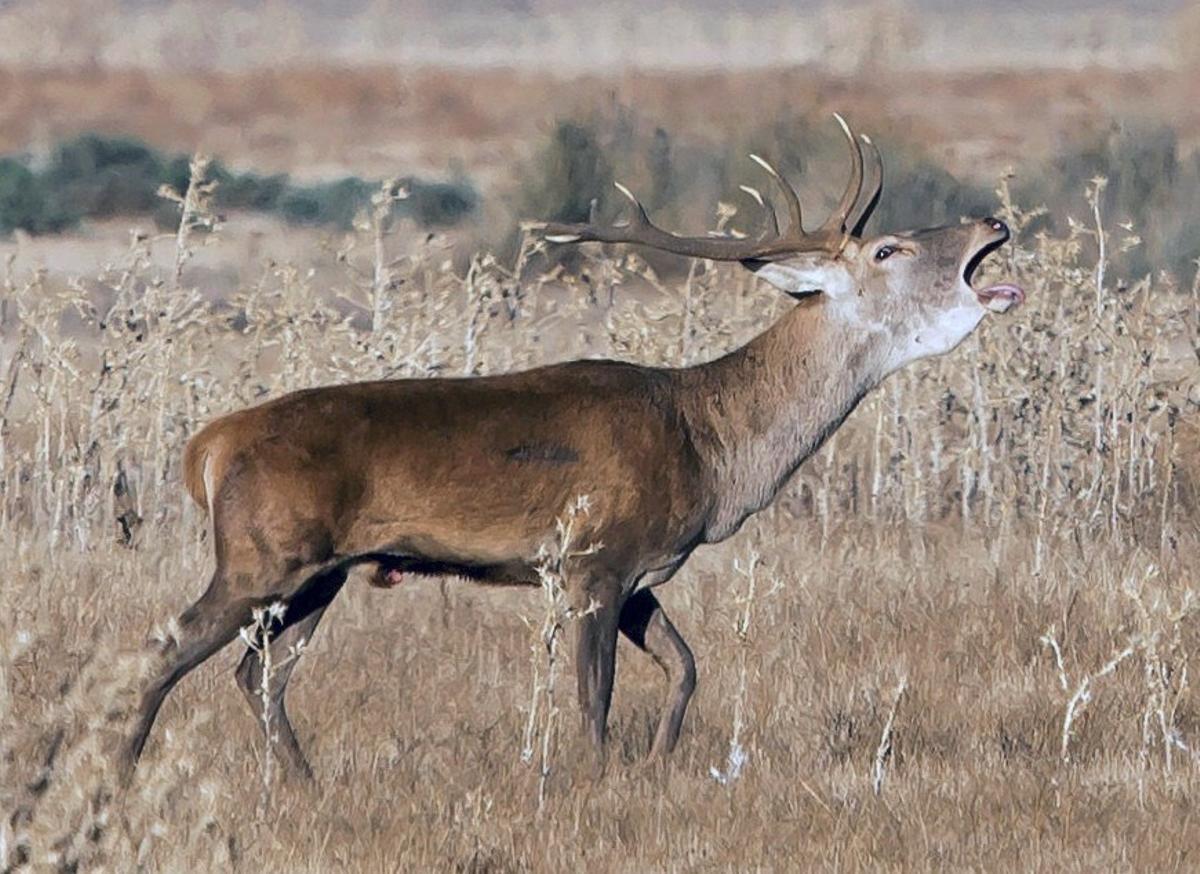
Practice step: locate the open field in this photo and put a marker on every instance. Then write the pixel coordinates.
(995, 557)
(320, 122)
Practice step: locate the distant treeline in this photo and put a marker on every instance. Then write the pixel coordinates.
(1152, 183)
(98, 177)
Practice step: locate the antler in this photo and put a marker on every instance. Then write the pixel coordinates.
(856, 227)
(772, 245)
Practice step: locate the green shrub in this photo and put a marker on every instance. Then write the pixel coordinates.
(332, 203)
(248, 191)
(25, 203)
(102, 176)
(570, 171)
(93, 176)
(438, 204)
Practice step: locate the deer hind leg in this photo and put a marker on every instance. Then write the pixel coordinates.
(298, 624)
(644, 622)
(203, 629)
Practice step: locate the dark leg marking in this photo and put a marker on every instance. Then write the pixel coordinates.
(299, 622)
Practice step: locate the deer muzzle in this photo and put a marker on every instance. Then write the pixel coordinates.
(1002, 296)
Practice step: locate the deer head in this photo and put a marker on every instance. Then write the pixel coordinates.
(914, 287)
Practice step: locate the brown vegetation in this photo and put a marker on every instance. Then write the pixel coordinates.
(962, 639)
(414, 120)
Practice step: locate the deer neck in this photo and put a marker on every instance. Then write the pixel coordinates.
(758, 412)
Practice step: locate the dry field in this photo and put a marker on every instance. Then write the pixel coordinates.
(385, 121)
(963, 639)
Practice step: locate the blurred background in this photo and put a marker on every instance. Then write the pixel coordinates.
(492, 112)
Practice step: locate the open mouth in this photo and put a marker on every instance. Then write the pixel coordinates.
(998, 298)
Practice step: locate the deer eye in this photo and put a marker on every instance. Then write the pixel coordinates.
(884, 252)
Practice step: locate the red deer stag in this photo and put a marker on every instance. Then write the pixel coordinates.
(467, 476)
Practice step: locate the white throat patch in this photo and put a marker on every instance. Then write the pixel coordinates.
(937, 337)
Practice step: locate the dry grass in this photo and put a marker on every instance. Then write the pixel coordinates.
(1038, 485)
(380, 121)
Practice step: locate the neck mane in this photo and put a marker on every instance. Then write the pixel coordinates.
(758, 412)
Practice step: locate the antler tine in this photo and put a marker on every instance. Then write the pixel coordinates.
(768, 208)
(573, 232)
(789, 195)
(639, 229)
(638, 218)
(837, 220)
(868, 207)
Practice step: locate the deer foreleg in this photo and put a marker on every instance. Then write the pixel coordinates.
(595, 664)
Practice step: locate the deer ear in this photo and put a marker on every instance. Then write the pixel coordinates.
(801, 277)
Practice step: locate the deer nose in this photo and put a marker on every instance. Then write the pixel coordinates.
(996, 225)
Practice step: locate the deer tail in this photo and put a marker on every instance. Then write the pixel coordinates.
(201, 467)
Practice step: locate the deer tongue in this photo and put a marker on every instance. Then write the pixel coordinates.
(1002, 297)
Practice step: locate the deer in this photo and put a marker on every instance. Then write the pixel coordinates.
(465, 477)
